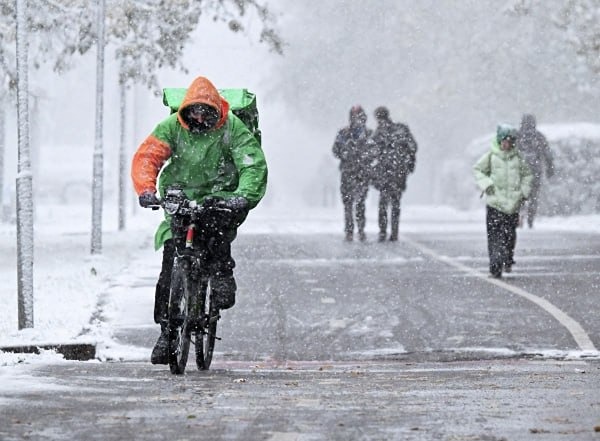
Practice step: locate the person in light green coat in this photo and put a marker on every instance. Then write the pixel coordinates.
(505, 179)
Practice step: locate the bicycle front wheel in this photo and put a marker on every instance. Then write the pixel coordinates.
(182, 286)
(207, 333)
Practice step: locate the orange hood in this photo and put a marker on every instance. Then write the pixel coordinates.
(202, 91)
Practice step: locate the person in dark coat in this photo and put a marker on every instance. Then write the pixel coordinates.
(355, 150)
(535, 150)
(396, 159)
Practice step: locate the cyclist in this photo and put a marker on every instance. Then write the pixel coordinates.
(209, 152)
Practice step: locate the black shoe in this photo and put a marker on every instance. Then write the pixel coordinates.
(507, 267)
(362, 236)
(381, 237)
(349, 237)
(496, 271)
(160, 353)
(393, 238)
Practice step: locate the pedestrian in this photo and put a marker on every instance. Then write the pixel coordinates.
(396, 158)
(207, 150)
(534, 148)
(354, 148)
(505, 179)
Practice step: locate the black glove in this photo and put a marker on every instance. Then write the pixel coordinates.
(148, 199)
(239, 209)
(237, 204)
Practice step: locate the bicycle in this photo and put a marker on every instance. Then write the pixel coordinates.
(191, 311)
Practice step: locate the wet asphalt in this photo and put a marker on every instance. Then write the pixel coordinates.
(355, 341)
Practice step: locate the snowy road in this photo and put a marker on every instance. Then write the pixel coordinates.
(516, 400)
(338, 341)
(316, 298)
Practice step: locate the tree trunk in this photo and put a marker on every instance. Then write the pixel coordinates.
(2, 153)
(24, 178)
(122, 158)
(98, 173)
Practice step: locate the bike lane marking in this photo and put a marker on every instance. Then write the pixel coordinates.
(575, 329)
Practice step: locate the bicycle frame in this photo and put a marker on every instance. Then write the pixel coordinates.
(189, 295)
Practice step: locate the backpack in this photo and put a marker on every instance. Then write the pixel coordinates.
(242, 103)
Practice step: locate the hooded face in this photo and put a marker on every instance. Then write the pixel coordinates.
(382, 114)
(358, 117)
(201, 117)
(202, 108)
(506, 132)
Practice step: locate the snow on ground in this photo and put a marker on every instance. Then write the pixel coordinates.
(69, 281)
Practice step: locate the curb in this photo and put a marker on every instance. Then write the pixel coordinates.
(71, 351)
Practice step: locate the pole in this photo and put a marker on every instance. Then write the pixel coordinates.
(24, 178)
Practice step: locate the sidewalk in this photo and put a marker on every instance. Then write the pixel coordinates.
(68, 281)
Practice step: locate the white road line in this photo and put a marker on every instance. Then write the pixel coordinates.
(581, 338)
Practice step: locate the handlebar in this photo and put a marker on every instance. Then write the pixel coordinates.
(176, 202)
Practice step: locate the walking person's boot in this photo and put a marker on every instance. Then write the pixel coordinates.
(496, 271)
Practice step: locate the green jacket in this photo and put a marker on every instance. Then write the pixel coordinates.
(224, 161)
(504, 177)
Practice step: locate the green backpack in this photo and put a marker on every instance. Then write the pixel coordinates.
(242, 103)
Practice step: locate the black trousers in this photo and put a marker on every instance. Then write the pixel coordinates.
(354, 198)
(531, 203)
(502, 238)
(386, 199)
(221, 269)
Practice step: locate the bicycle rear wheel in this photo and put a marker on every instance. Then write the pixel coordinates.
(182, 286)
(207, 333)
